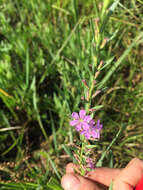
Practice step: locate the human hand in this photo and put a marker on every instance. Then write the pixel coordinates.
(100, 179)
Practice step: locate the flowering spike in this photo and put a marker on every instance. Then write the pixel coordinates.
(82, 97)
(96, 74)
(87, 95)
(84, 82)
(90, 163)
(96, 93)
(96, 29)
(105, 40)
(91, 110)
(100, 5)
(100, 65)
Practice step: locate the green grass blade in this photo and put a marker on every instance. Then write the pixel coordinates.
(54, 133)
(33, 87)
(120, 60)
(46, 155)
(111, 186)
(53, 184)
(67, 150)
(15, 140)
(110, 12)
(99, 163)
(27, 68)
(61, 49)
(18, 186)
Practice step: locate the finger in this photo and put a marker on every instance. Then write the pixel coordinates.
(103, 175)
(71, 168)
(129, 176)
(76, 182)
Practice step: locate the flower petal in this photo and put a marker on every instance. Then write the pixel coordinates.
(82, 114)
(91, 123)
(85, 125)
(96, 134)
(87, 118)
(87, 135)
(98, 122)
(75, 115)
(90, 163)
(74, 122)
(99, 125)
(78, 127)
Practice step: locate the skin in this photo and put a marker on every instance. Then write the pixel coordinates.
(100, 178)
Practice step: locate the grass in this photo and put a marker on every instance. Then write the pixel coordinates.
(46, 50)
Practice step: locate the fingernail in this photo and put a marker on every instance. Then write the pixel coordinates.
(70, 182)
(89, 174)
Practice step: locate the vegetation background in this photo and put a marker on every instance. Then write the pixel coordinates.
(46, 49)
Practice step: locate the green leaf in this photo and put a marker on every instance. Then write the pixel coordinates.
(27, 68)
(111, 186)
(46, 155)
(53, 184)
(136, 41)
(67, 150)
(18, 186)
(91, 146)
(99, 163)
(97, 107)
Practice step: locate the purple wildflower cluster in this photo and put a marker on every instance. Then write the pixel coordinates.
(86, 125)
(90, 163)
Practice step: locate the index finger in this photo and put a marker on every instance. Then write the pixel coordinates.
(104, 175)
(101, 175)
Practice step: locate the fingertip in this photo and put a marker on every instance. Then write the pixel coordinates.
(70, 168)
(69, 181)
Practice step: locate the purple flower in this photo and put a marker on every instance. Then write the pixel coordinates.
(96, 130)
(86, 125)
(90, 163)
(81, 120)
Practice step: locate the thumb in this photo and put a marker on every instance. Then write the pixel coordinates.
(129, 177)
(76, 182)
